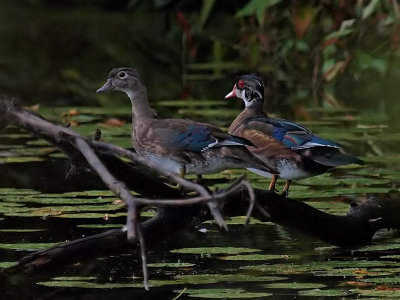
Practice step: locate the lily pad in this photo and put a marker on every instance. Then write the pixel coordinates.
(74, 278)
(12, 191)
(327, 268)
(100, 226)
(214, 278)
(294, 285)
(239, 220)
(339, 192)
(214, 250)
(224, 294)
(387, 280)
(250, 257)
(7, 264)
(90, 215)
(384, 292)
(327, 293)
(171, 265)
(105, 285)
(59, 200)
(27, 246)
(22, 230)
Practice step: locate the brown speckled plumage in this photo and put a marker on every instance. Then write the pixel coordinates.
(178, 144)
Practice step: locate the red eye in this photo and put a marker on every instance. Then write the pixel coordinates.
(240, 84)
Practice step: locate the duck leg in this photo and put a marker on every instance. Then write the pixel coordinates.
(285, 190)
(273, 183)
(182, 173)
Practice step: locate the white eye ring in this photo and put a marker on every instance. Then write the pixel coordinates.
(122, 74)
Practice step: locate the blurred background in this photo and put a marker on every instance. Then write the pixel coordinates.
(311, 54)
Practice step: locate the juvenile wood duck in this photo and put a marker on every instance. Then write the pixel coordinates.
(177, 145)
(305, 153)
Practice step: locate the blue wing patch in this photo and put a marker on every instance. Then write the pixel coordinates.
(196, 138)
(295, 136)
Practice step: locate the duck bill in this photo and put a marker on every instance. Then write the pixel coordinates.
(106, 87)
(232, 94)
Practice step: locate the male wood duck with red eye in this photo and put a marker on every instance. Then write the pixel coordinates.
(177, 145)
(311, 155)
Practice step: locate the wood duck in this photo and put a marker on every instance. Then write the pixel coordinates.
(177, 145)
(306, 154)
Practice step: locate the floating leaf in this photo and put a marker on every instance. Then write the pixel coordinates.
(90, 215)
(250, 257)
(27, 246)
(214, 250)
(327, 293)
(106, 285)
(239, 220)
(100, 226)
(74, 278)
(20, 159)
(113, 122)
(224, 293)
(8, 264)
(294, 285)
(21, 230)
(214, 278)
(382, 292)
(388, 280)
(170, 265)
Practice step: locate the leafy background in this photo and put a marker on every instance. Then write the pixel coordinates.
(314, 53)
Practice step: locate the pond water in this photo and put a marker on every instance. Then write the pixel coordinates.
(39, 207)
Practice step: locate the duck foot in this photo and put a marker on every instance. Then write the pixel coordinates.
(285, 190)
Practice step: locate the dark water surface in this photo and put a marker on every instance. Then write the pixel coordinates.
(39, 207)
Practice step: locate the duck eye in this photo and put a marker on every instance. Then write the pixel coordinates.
(240, 84)
(121, 74)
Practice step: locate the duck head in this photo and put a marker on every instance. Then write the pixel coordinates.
(123, 79)
(249, 88)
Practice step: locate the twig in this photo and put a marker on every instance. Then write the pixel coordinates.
(132, 221)
(142, 246)
(117, 187)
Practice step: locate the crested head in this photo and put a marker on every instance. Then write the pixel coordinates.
(249, 88)
(123, 79)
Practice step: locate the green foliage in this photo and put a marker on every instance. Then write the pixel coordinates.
(319, 53)
(323, 54)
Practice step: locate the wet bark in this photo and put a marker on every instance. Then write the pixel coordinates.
(178, 211)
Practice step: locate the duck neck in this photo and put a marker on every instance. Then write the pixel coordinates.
(141, 110)
(256, 108)
(142, 115)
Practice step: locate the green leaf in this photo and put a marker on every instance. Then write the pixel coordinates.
(224, 293)
(27, 246)
(326, 293)
(338, 33)
(370, 9)
(171, 265)
(261, 257)
(205, 12)
(214, 250)
(214, 278)
(294, 285)
(257, 7)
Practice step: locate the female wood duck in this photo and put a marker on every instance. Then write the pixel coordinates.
(308, 155)
(177, 145)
